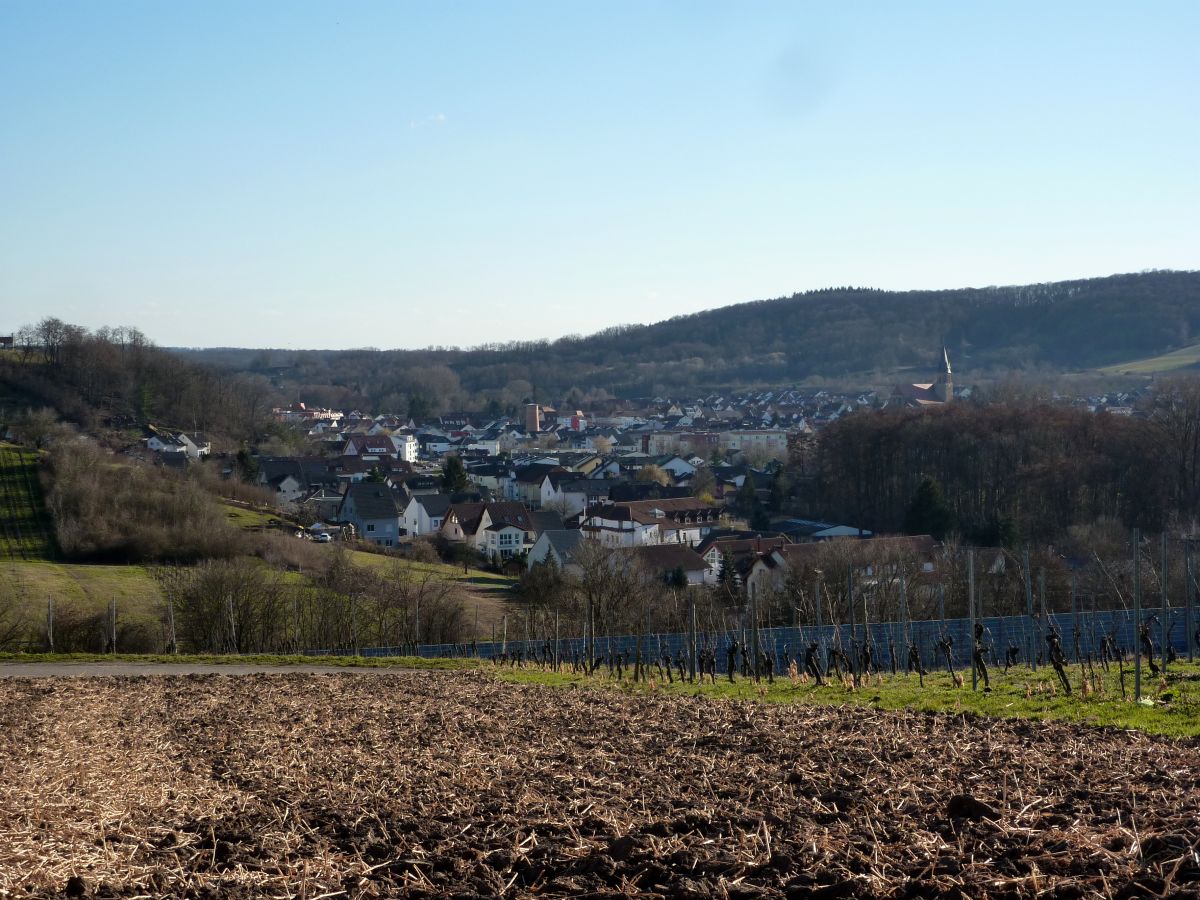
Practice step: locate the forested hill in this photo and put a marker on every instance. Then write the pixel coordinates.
(861, 334)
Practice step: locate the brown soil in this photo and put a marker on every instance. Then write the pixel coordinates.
(432, 785)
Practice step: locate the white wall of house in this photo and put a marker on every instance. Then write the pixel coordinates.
(406, 447)
(680, 468)
(505, 542)
(547, 494)
(289, 490)
(412, 516)
(615, 533)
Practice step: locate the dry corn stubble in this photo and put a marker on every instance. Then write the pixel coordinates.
(436, 785)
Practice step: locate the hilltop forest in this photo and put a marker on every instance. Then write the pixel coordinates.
(855, 336)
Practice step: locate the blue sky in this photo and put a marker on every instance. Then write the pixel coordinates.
(401, 175)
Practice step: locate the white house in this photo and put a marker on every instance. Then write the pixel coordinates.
(570, 493)
(161, 442)
(196, 445)
(369, 447)
(639, 523)
(424, 513)
(406, 446)
(503, 541)
(480, 525)
(558, 545)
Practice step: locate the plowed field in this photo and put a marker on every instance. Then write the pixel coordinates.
(432, 785)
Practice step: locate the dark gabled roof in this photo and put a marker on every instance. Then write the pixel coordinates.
(804, 527)
(435, 505)
(467, 514)
(590, 487)
(372, 500)
(422, 480)
(665, 558)
(575, 459)
(536, 473)
(560, 477)
(740, 543)
(509, 512)
(309, 471)
(545, 520)
(378, 443)
(488, 470)
(564, 541)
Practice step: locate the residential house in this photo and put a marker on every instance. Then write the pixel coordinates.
(424, 513)
(292, 478)
(768, 442)
(406, 446)
(492, 476)
(498, 529)
(370, 447)
(163, 442)
(422, 483)
(683, 520)
(571, 494)
(322, 504)
(741, 548)
(679, 467)
(434, 445)
(371, 508)
(559, 546)
(196, 445)
(665, 561)
(526, 484)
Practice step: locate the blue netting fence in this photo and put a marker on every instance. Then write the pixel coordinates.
(1081, 635)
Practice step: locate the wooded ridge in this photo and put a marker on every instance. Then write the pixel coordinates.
(858, 335)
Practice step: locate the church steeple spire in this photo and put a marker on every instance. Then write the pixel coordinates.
(943, 388)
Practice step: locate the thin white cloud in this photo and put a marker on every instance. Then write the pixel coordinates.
(436, 120)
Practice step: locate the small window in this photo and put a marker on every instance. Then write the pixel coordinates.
(371, 527)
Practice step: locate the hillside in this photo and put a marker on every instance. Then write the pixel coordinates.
(25, 531)
(852, 334)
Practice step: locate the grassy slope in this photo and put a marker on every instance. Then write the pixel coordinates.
(27, 553)
(1175, 711)
(25, 530)
(485, 595)
(1183, 358)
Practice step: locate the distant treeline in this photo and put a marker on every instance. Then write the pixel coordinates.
(1012, 472)
(117, 372)
(833, 333)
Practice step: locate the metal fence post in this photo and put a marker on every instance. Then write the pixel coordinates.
(1189, 596)
(1075, 621)
(692, 637)
(1164, 604)
(1030, 649)
(1137, 615)
(971, 616)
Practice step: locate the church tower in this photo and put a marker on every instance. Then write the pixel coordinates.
(943, 388)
